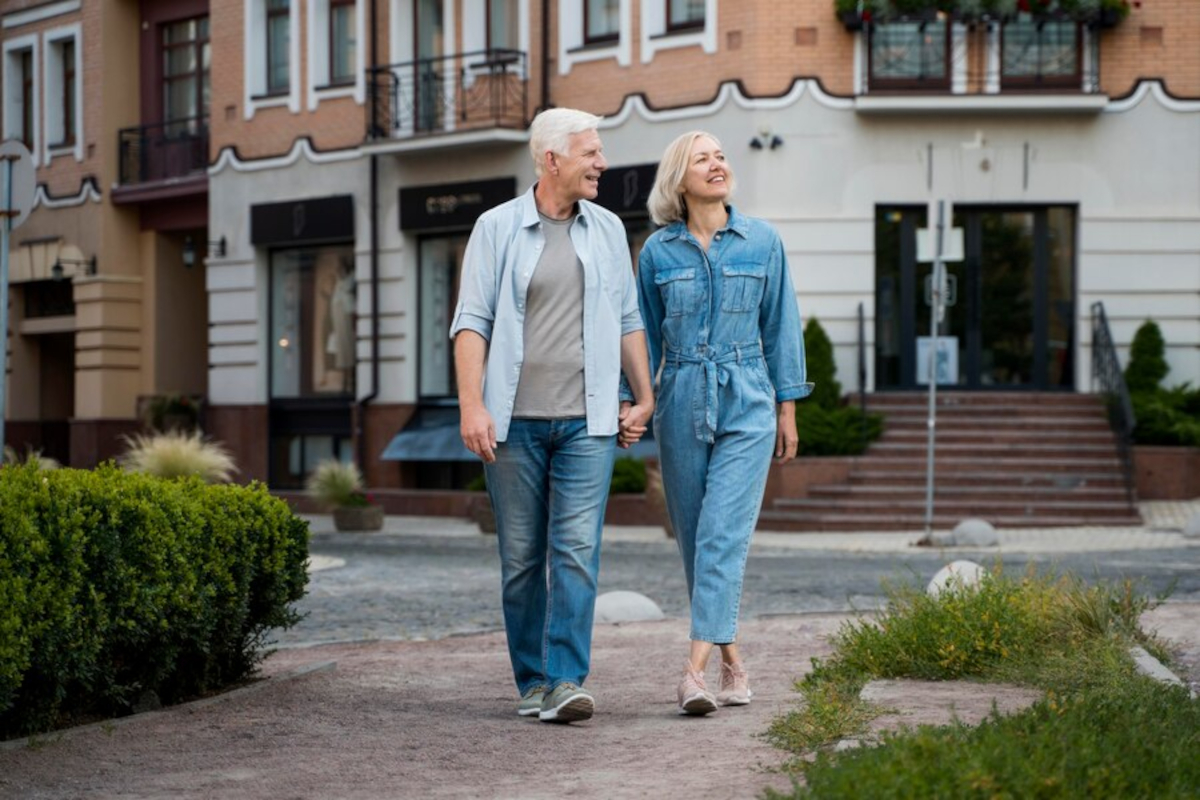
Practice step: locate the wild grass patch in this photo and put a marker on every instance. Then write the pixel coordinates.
(1087, 738)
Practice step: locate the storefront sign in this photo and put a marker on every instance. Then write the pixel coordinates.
(625, 190)
(451, 205)
(321, 219)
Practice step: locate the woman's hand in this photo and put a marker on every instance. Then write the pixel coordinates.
(786, 438)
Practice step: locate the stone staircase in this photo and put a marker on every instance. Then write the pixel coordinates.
(1015, 460)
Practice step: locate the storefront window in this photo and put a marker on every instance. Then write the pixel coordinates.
(441, 263)
(312, 322)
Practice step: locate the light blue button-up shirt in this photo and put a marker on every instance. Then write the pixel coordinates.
(498, 265)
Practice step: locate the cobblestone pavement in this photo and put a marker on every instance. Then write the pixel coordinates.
(428, 578)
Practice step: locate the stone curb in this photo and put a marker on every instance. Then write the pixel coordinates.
(52, 737)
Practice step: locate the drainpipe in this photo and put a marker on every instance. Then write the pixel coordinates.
(365, 400)
(545, 56)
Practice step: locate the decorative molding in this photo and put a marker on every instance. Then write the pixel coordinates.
(1155, 88)
(40, 13)
(88, 190)
(229, 157)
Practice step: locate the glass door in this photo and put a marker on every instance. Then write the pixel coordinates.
(1012, 325)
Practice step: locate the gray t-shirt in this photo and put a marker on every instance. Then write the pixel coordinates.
(551, 383)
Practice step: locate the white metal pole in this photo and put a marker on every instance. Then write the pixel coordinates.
(936, 311)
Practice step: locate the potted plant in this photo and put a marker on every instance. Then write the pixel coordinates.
(338, 486)
(173, 412)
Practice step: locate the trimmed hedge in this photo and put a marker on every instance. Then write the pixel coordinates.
(113, 584)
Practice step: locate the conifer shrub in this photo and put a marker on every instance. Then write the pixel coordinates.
(113, 584)
(1162, 416)
(826, 424)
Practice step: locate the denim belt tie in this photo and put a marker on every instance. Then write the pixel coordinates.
(704, 415)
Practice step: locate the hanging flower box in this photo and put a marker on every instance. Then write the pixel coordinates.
(854, 14)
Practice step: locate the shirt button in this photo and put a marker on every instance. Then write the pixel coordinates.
(717, 237)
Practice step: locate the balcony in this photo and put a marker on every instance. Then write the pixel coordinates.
(938, 64)
(166, 159)
(436, 103)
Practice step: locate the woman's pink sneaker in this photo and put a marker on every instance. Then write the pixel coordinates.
(694, 698)
(735, 685)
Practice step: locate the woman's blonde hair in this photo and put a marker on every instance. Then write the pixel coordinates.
(666, 198)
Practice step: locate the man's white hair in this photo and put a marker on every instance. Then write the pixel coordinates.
(552, 129)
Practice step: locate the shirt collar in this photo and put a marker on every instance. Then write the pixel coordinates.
(529, 209)
(736, 223)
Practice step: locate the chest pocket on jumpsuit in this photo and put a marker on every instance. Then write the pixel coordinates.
(679, 292)
(742, 286)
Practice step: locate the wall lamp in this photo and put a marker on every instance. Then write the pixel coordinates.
(57, 272)
(216, 249)
(766, 140)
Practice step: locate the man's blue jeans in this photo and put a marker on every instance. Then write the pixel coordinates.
(548, 487)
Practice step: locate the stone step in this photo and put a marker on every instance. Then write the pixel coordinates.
(851, 492)
(960, 506)
(997, 436)
(910, 522)
(993, 478)
(915, 462)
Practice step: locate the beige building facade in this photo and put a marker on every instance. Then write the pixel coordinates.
(353, 143)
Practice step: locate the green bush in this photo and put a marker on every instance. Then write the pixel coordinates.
(113, 584)
(827, 426)
(628, 477)
(839, 431)
(1163, 416)
(820, 366)
(1147, 359)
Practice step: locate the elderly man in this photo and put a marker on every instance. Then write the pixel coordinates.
(547, 319)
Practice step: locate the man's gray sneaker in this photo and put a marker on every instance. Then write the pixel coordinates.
(567, 703)
(531, 701)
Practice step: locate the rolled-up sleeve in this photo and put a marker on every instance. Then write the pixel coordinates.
(476, 309)
(782, 336)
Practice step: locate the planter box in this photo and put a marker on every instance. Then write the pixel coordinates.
(362, 518)
(852, 20)
(1166, 473)
(791, 480)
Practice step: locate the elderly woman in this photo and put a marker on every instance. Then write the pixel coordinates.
(722, 322)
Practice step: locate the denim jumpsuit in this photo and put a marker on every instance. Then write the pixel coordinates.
(725, 327)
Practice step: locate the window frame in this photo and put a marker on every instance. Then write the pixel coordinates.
(271, 15)
(1054, 82)
(933, 85)
(350, 78)
(200, 73)
(610, 38)
(691, 26)
(22, 107)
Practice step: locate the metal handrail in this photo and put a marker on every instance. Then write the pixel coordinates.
(862, 373)
(163, 150)
(482, 88)
(1106, 370)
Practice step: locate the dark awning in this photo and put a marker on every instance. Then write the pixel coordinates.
(432, 435)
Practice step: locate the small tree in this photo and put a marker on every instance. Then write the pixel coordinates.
(818, 355)
(1147, 359)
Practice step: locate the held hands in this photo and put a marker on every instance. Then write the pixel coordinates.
(478, 432)
(786, 438)
(633, 421)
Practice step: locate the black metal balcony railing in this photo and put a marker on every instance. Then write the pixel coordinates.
(164, 150)
(1106, 370)
(482, 89)
(1016, 56)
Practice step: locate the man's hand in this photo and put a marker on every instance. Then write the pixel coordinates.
(479, 432)
(633, 420)
(786, 438)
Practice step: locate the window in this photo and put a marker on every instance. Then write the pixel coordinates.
(1040, 54)
(186, 55)
(502, 25)
(909, 55)
(278, 46)
(343, 41)
(601, 21)
(65, 54)
(312, 322)
(441, 263)
(685, 15)
(28, 93)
